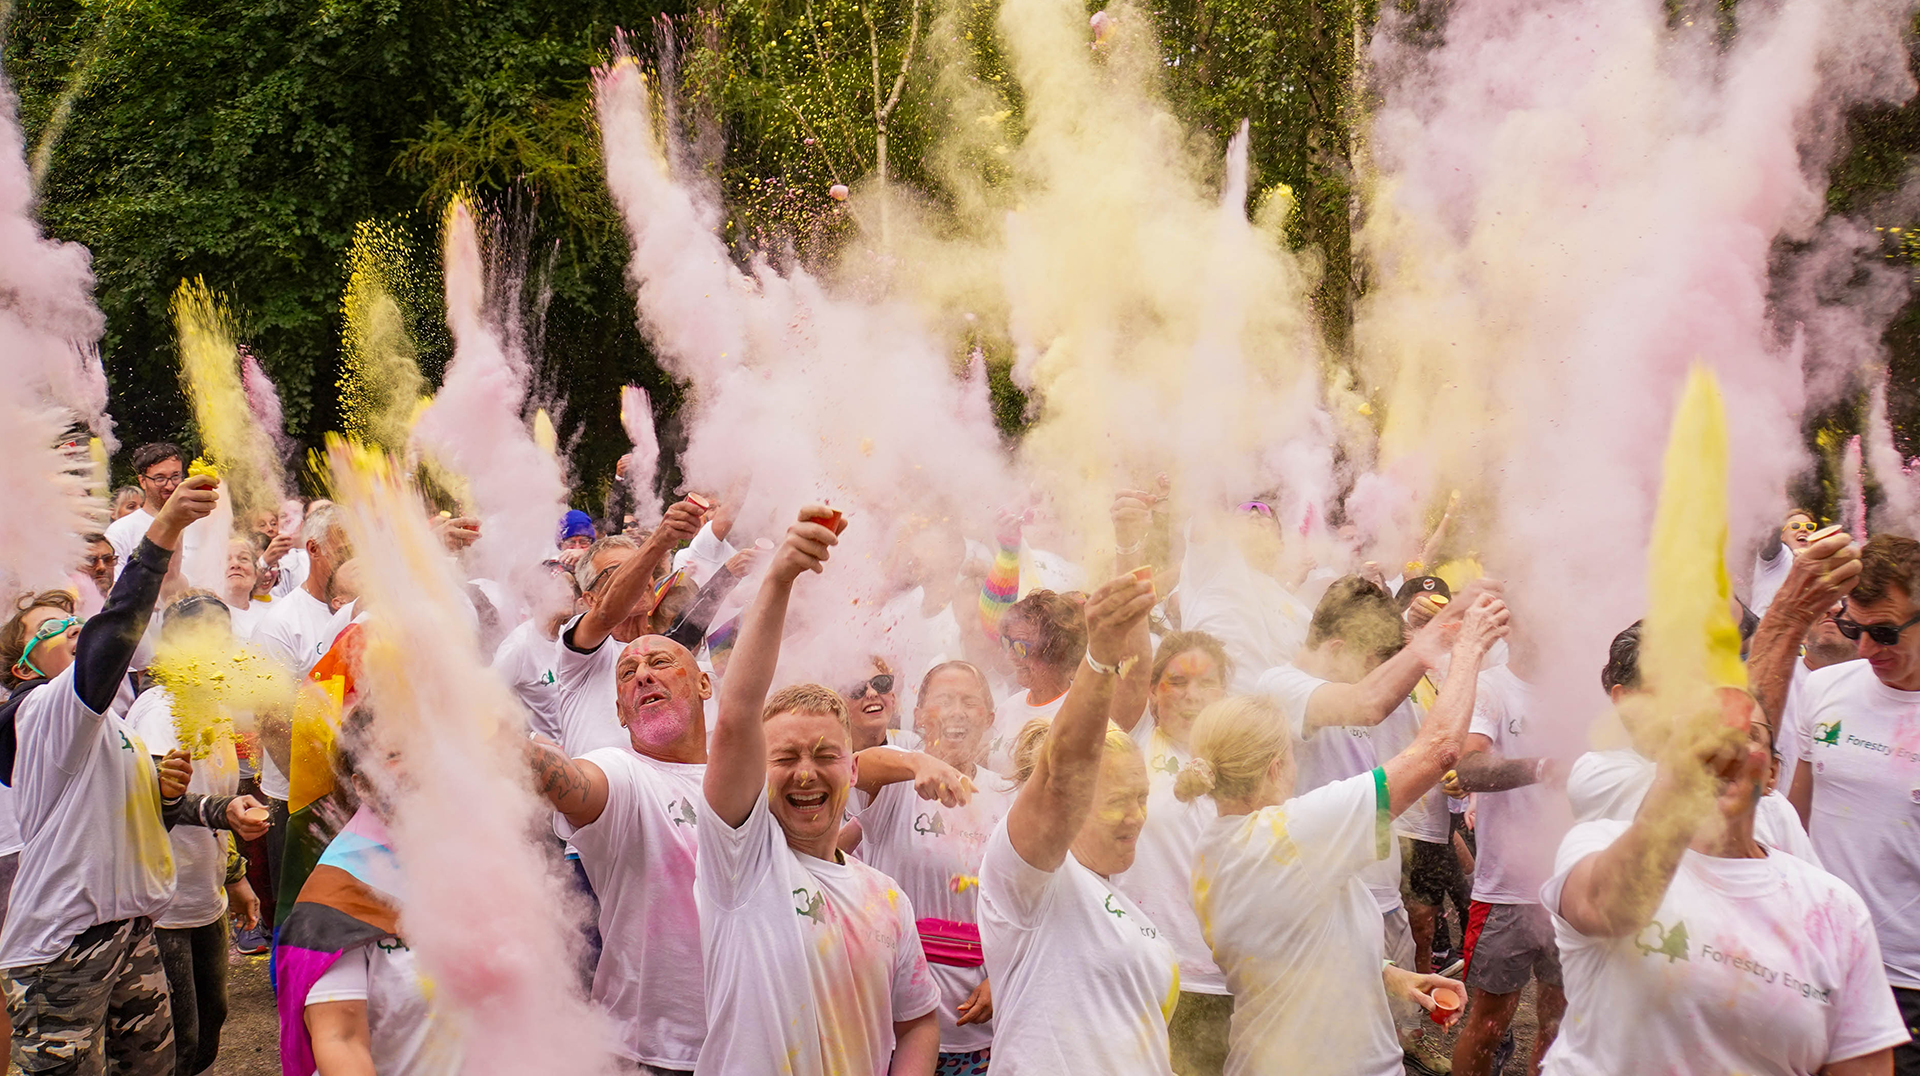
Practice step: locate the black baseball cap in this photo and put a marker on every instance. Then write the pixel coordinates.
(1431, 585)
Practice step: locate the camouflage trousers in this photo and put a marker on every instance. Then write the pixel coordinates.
(100, 1007)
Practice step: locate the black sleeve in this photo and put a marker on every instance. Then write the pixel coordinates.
(107, 642)
(690, 628)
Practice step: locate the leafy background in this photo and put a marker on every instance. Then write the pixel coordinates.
(242, 141)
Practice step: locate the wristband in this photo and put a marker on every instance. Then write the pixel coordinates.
(1540, 771)
(1129, 550)
(1103, 670)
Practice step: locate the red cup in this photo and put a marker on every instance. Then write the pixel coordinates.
(1446, 1005)
(699, 502)
(834, 520)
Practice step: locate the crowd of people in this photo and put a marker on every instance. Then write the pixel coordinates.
(1206, 816)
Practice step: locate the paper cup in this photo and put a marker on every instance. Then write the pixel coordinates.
(1446, 1004)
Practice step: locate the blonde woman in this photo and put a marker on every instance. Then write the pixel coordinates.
(1082, 981)
(1277, 882)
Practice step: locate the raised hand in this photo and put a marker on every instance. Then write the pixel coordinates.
(806, 546)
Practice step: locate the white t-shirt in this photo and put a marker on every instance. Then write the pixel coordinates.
(199, 854)
(1767, 577)
(525, 660)
(405, 1037)
(933, 853)
(1863, 740)
(1611, 784)
(244, 621)
(1762, 966)
(1009, 717)
(1298, 935)
(1260, 622)
(809, 964)
(88, 801)
(297, 632)
(10, 839)
(1517, 830)
(1082, 980)
(124, 535)
(1160, 881)
(639, 856)
(1337, 752)
(587, 712)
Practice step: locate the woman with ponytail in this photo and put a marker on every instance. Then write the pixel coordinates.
(1277, 879)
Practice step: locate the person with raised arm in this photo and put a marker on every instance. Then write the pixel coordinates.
(1688, 942)
(85, 986)
(813, 960)
(1082, 980)
(1279, 878)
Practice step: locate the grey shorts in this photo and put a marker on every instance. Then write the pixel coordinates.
(1507, 944)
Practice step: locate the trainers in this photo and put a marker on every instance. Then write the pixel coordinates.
(1426, 1059)
(251, 942)
(1502, 1054)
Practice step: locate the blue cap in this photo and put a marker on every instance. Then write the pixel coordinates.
(576, 524)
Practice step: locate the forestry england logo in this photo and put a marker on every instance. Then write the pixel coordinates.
(810, 904)
(1827, 733)
(1672, 941)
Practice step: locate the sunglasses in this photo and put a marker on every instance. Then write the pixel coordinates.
(1884, 634)
(879, 685)
(101, 560)
(1807, 525)
(51, 629)
(1019, 648)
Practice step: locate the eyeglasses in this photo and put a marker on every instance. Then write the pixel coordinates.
(50, 629)
(1807, 525)
(1019, 648)
(101, 560)
(1884, 634)
(880, 685)
(173, 479)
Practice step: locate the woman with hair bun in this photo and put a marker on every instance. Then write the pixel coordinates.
(1277, 880)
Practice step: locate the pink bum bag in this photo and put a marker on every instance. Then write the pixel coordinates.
(951, 942)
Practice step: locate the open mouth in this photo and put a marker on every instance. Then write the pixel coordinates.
(873, 707)
(652, 696)
(807, 801)
(951, 733)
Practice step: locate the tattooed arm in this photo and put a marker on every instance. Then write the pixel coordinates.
(576, 788)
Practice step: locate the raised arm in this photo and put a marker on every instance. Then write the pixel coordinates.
(737, 751)
(106, 644)
(932, 779)
(1483, 769)
(1822, 574)
(1415, 770)
(629, 585)
(1055, 801)
(1614, 892)
(576, 788)
(1375, 695)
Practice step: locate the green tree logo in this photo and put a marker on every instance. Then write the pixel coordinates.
(929, 823)
(684, 816)
(810, 904)
(1673, 941)
(1828, 733)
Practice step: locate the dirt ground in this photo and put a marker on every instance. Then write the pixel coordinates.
(250, 1045)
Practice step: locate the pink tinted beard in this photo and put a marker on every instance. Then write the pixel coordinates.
(658, 728)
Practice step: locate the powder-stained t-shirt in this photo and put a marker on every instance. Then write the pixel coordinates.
(1517, 829)
(1292, 925)
(199, 853)
(1009, 717)
(296, 631)
(809, 963)
(88, 800)
(1336, 752)
(1082, 979)
(933, 853)
(1161, 878)
(639, 855)
(1863, 741)
(405, 1035)
(1756, 966)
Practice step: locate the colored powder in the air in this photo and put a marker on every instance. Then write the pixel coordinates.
(380, 380)
(230, 434)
